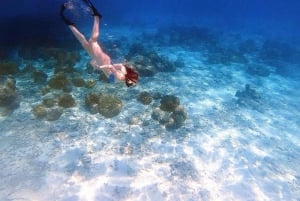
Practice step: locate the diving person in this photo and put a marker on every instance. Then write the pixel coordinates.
(100, 60)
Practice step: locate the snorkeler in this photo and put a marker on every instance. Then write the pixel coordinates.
(100, 60)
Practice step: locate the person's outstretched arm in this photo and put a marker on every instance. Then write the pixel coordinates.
(116, 69)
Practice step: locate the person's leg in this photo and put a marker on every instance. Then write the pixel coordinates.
(97, 16)
(95, 32)
(81, 38)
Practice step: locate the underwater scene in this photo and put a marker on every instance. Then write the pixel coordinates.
(182, 100)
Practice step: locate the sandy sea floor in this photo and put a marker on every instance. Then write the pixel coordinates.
(224, 151)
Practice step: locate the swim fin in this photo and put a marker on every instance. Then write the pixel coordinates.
(67, 21)
(93, 8)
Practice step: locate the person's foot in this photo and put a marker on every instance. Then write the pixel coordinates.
(67, 21)
(95, 12)
(92, 7)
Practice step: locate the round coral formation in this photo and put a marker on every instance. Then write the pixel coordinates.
(170, 113)
(91, 102)
(109, 105)
(169, 103)
(59, 81)
(78, 82)
(50, 114)
(39, 111)
(92, 98)
(106, 104)
(148, 62)
(39, 77)
(8, 68)
(90, 83)
(9, 97)
(145, 98)
(177, 118)
(66, 101)
(249, 97)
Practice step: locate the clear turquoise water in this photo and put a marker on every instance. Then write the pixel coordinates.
(233, 65)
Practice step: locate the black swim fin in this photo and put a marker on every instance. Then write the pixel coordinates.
(67, 21)
(93, 8)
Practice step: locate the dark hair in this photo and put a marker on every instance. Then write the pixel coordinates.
(131, 75)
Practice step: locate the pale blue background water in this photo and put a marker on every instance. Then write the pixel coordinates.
(268, 16)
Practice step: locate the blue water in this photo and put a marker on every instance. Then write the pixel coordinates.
(228, 70)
